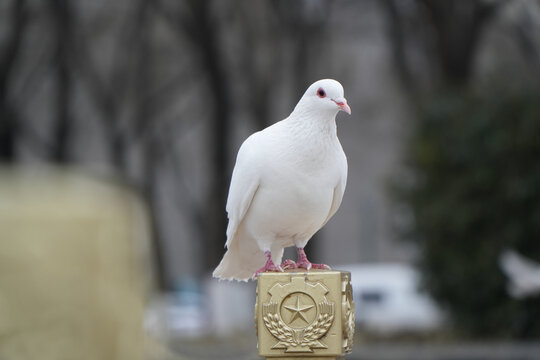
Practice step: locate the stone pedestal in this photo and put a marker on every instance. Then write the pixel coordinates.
(301, 314)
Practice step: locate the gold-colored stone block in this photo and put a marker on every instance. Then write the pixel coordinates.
(301, 314)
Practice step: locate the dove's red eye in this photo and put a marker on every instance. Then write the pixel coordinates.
(321, 93)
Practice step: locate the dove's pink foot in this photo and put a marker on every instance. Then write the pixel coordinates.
(269, 266)
(304, 263)
(288, 264)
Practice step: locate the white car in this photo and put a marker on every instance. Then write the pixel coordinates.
(388, 298)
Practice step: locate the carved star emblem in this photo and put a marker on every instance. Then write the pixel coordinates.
(298, 310)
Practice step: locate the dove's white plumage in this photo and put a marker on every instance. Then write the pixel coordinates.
(287, 182)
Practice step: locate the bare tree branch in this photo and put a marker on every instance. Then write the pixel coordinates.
(458, 26)
(396, 32)
(9, 117)
(449, 42)
(199, 28)
(62, 20)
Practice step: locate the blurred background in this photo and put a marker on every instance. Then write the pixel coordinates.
(119, 126)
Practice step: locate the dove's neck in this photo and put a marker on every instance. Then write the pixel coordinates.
(313, 139)
(311, 121)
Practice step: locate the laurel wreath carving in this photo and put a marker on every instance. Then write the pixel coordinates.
(298, 337)
(348, 314)
(349, 331)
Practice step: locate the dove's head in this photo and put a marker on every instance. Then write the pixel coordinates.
(325, 96)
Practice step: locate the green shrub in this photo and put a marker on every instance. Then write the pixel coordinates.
(476, 161)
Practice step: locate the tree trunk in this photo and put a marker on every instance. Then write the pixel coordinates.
(62, 19)
(151, 146)
(10, 51)
(203, 32)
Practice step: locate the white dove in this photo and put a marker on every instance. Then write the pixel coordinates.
(287, 182)
(523, 273)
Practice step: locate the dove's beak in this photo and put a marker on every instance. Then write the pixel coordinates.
(342, 103)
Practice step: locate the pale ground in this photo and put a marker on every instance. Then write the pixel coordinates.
(243, 347)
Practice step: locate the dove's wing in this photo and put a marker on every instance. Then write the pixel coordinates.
(243, 255)
(336, 202)
(244, 185)
(338, 191)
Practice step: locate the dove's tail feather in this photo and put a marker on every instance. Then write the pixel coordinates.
(242, 259)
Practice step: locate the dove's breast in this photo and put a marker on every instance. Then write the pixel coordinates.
(293, 212)
(294, 198)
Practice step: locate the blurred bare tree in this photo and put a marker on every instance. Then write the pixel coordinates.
(62, 22)
(434, 42)
(10, 53)
(125, 84)
(127, 65)
(162, 92)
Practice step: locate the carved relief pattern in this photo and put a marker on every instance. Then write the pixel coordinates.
(310, 315)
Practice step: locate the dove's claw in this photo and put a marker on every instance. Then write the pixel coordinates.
(288, 264)
(265, 268)
(269, 266)
(304, 263)
(320, 266)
